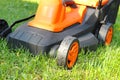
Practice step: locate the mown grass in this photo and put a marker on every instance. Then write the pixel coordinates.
(103, 64)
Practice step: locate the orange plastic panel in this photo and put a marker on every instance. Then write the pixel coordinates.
(53, 16)
(92, 3)
(49, 12)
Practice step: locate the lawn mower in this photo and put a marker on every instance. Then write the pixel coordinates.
(61, 28)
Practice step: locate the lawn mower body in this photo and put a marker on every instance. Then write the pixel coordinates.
(56, 20)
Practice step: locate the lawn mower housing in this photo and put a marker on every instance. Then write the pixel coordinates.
(66, 26)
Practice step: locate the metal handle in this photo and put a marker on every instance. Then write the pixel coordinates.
(100, 4)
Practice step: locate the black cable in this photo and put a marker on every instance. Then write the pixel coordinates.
(6, 31)
(25, 19)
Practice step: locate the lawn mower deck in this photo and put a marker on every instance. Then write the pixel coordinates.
(39, 40)
(93, 28)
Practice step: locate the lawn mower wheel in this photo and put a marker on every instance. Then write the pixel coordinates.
(68, 52)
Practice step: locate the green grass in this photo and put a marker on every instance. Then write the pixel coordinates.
(103, 64)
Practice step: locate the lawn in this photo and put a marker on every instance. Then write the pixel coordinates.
(103, 64)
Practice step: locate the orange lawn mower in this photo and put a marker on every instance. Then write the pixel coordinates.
(61, 28)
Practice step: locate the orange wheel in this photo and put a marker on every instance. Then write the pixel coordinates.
(109, 35)
(106, 33)
(72, 54)
(68, 52)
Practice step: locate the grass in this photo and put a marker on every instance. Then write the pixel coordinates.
(103, 64)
